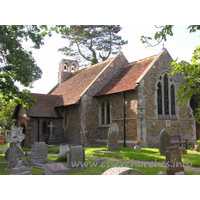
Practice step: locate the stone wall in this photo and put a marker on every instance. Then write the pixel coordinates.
(73, 127)
(182, 123)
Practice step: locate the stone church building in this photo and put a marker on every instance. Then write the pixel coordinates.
(139, 96)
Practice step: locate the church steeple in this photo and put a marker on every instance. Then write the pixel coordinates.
(66, 67)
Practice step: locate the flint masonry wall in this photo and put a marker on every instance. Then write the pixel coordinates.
(72, 125)
(150, 123)
(90, 105)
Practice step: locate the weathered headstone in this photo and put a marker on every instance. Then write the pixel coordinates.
(18, 162)
(9, 152)
(113, 133)
(173, 160)
(137, 148)
(76, 157)
(164, 141)
(182, 150)
(63, 150)
(56, 169)
(52, 139)
(122, 171)
(39, 153)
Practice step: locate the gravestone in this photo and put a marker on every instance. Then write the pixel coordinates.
(173, 160)
(137, 148)
(18, 162)
(9, 152)
(76, 157)
(39, 153)
(52, 139)
(182, 150)
(113, 133)
(122, 171)
(63, 150)
(164, 141)
(56, 169)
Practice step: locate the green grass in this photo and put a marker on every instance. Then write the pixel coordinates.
(147, 154)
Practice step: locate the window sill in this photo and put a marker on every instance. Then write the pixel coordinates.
(167, 116)
(104, 126)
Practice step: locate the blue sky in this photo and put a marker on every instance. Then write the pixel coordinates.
(181, 46)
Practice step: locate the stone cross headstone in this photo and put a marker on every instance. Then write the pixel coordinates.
(39, 153)
(18, 162)
(76, 157)
(52, 139)
(173, 160)
(63, 150)
(122, 171)
(164, 141)
(113, 133)
(51, 126)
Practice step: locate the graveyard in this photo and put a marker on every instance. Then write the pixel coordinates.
(100, 159)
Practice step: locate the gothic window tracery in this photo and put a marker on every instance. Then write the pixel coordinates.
(166, 96)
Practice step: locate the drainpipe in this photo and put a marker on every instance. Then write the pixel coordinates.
(38, 136)
(124, 98)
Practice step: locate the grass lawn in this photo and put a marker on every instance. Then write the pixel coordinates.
(147, 154)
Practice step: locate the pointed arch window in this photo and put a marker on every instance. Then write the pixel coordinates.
(173, 111)
(108, 113)
(102, 113)
(159, 98)
(166, 95)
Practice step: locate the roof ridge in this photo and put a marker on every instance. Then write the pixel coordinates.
(111, 60)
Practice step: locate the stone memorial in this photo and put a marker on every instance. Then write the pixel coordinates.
(18, 162)
(173, 160)
(182, 150)
(137, 148)
(164, 141)
(76, 157)
(122, 171)
(113, 133)
(52, 139)
(9, 152)
(63, 150)
(56, 169)
(39, 153)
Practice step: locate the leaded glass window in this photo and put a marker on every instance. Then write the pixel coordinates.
(159, 98)
(166, 95)
(172, 100)
(102, 114)
(108, 112)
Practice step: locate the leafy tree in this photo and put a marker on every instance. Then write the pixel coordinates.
(17, 64)
(190, 71)
(91, 42)
(6, 120)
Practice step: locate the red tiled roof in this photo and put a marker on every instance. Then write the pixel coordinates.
(77, 83)
(125, 79)
(44, 106)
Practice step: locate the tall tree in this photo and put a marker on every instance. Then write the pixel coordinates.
(91, 43)
(17, 64)
(6, 120)
(190, 71)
